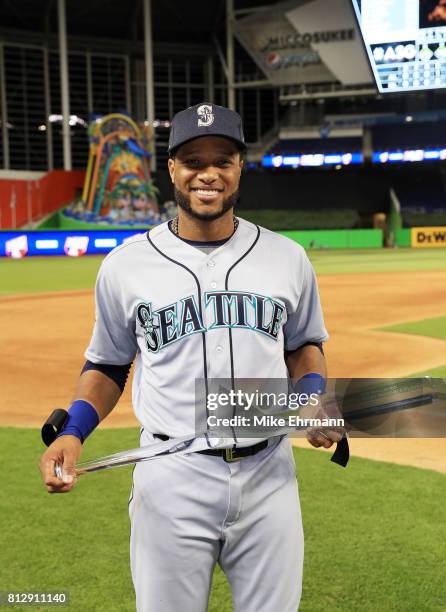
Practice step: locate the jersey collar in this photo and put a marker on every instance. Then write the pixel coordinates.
(174, 247)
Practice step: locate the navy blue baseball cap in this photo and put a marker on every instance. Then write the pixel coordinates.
(205, 119)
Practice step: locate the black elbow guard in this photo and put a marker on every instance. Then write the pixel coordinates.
(117, 373)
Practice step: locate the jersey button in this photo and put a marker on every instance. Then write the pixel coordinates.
(213, 285)
(211, 263)
(219, 349)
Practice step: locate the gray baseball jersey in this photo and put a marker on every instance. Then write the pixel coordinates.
(186, 314)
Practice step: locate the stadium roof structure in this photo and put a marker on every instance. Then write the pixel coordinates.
(172, 20)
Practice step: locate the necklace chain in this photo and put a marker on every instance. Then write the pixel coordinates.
(174, 225)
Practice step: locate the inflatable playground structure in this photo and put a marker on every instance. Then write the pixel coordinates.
(118, 189)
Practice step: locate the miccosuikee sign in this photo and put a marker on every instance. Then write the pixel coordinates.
(305, 41)
(428, 237)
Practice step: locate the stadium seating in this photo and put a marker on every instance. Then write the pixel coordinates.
(421, 135)
(316, 145)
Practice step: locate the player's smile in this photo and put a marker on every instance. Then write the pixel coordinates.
(206, 195)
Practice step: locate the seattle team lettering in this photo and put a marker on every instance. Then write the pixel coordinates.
(224, 309)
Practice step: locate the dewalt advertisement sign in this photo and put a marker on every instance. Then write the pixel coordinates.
(422, 237)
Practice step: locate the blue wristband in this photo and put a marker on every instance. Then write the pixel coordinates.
(82, 420)
(311, 383)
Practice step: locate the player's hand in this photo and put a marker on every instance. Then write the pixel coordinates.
(65, 450)
(326, 409)
(320, 436)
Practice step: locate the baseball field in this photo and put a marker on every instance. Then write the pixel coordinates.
(374, 531)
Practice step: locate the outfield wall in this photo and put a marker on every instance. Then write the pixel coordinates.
(402, 237)
(28, 196)
(338, 239)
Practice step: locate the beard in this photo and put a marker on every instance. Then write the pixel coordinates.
(184, 202)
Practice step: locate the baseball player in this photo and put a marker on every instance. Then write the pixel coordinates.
(205, 296)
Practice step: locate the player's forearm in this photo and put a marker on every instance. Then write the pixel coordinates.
(304, 361)
(99, 390)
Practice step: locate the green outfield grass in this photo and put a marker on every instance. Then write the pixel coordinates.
(378, 260)
(38, 274)
(374, 532)
(432, 328)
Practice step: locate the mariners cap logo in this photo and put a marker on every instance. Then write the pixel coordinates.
(205, 118)
(205, 115)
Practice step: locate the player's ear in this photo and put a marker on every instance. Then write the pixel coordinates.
(171, 167)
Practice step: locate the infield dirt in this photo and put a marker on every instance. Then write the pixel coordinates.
(45, 335)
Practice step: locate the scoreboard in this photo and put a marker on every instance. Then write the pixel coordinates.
(405, 42)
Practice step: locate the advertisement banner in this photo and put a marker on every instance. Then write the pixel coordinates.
(339, 45)
(428, 237)
(73, 243)
(305, 41)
